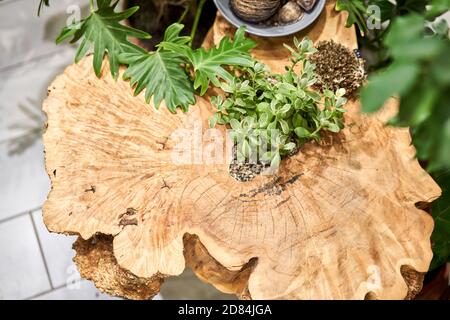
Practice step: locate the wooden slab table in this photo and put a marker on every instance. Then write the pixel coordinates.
(339, 220)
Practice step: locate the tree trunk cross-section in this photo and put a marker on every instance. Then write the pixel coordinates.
(338, 221)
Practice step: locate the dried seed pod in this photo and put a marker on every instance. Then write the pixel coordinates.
(289, 13)
(306, 4)
(255, 10)
(338, 67)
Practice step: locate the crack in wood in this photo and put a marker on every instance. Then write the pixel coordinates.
(124, 219)
(282, 202)
(161, 145)
(128, 222)
(274, 187)
(165, 185)
(91, 189)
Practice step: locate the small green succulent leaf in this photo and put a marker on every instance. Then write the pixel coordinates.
(276, 160)
(284, 126)
(302, 132)
(235, 124)
(289, 146)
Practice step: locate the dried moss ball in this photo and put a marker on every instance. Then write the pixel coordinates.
(338, 67)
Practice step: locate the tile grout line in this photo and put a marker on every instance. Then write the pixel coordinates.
(18, 215)
(45, 292)
(41, 250)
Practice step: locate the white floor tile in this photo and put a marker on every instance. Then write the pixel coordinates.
(80, 290)
(22, 90)
(58, 253)
(22, 269)
(25, 184)
(25, 35)
(188, 287)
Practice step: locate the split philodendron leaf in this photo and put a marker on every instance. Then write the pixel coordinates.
(103, 32)
(207, 64)
(162, 73)
(357, 10)
(273, 114)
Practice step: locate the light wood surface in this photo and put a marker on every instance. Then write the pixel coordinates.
(338, 221)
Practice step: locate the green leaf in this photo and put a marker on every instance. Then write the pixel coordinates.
(397, 79)
(340, 92)
(284, 126)
(289, 146)
(172, 40)
(404, 29)
(314, 95)
(276, 160)
(103, 32)
(302, 132)
(387, 9)
(272, 125)
(410, 6)
(440, 68)
(437, 8)
(420, 76)
(406, 42)
(443, 151)
(264, 120)
(356, 13)
(423, 49)
(235, 125)
(208, 64)
(263, 107)
(441, 214)
(333, 127)
(246, 150)
(213, 120)
(172, 34)
(267, 157)
(160, 74)
(418, 104)
(298, 121)
(285, 109)
(432, 136)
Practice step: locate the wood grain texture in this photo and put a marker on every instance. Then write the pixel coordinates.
(96, 261)
(338, 221)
